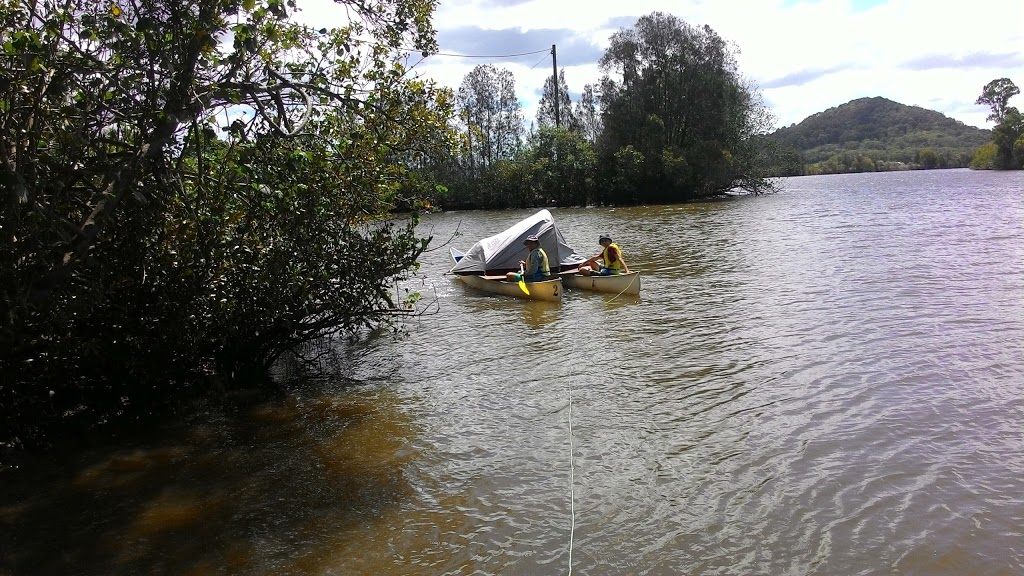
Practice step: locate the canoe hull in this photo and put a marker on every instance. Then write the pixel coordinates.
(549, 290)
(618, 284)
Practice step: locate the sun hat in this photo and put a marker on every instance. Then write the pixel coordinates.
(531, 238)
(604, 237)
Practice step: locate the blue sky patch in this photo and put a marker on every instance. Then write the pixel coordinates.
(471, 40)
(855, 5)
(865, 5)
(801, 77)
(791, 3)
(1006, 60)
(621, 22)
(505, 3)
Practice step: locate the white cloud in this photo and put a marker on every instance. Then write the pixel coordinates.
(866, 51)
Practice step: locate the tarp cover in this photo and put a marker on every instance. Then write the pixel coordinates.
(502, 252)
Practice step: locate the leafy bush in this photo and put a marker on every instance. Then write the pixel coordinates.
(161, 239)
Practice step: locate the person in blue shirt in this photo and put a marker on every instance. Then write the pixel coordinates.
(536, 267)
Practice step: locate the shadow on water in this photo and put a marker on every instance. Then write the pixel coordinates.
(276, 487)
(608, 301)
(487, 309)
(538, 314)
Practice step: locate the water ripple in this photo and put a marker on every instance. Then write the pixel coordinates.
(826, 381)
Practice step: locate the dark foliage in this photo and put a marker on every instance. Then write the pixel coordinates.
(672, 120)
(158, 243)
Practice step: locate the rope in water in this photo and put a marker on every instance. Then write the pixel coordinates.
(572, 467)
(572, 450)
(628, 286)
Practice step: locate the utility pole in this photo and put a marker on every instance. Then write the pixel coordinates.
(554, 82)
(558, 123)
(472, 155)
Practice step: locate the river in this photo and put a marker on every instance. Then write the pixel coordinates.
(825, 381)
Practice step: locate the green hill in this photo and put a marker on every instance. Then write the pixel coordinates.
(875, 134)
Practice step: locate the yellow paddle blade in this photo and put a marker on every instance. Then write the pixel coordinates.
(522, 286)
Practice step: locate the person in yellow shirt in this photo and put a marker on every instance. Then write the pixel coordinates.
(612, 261)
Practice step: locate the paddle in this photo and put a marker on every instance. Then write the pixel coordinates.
(522, 283)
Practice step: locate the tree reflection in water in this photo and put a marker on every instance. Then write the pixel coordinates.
(272, 488)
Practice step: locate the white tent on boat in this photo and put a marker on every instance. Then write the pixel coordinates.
(502, 252)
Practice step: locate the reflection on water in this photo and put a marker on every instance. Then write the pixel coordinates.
(538, 313)
(535, 314)
(826, 381)
(278, 488)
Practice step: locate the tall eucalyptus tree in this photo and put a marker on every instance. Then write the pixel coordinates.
(1008, 134)
(588, 114)
(491, 114)
(546, 107)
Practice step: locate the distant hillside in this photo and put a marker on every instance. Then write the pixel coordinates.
(871, 134)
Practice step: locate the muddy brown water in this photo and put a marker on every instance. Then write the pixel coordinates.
(828, 381)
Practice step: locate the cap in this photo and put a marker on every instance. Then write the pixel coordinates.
(531, 238)
(604, 237)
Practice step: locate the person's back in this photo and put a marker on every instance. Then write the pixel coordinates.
(536, 265)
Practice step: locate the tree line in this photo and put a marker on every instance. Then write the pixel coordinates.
(671, 119)
(875, 134)
(882, 160)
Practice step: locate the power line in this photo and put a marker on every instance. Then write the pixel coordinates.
(452, 54)
(423, 56)
(539, 61)
(489, 55)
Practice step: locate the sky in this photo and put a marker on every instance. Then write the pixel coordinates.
(805, 55)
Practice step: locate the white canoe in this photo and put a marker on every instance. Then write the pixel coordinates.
(618, 284)
(548, 290)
